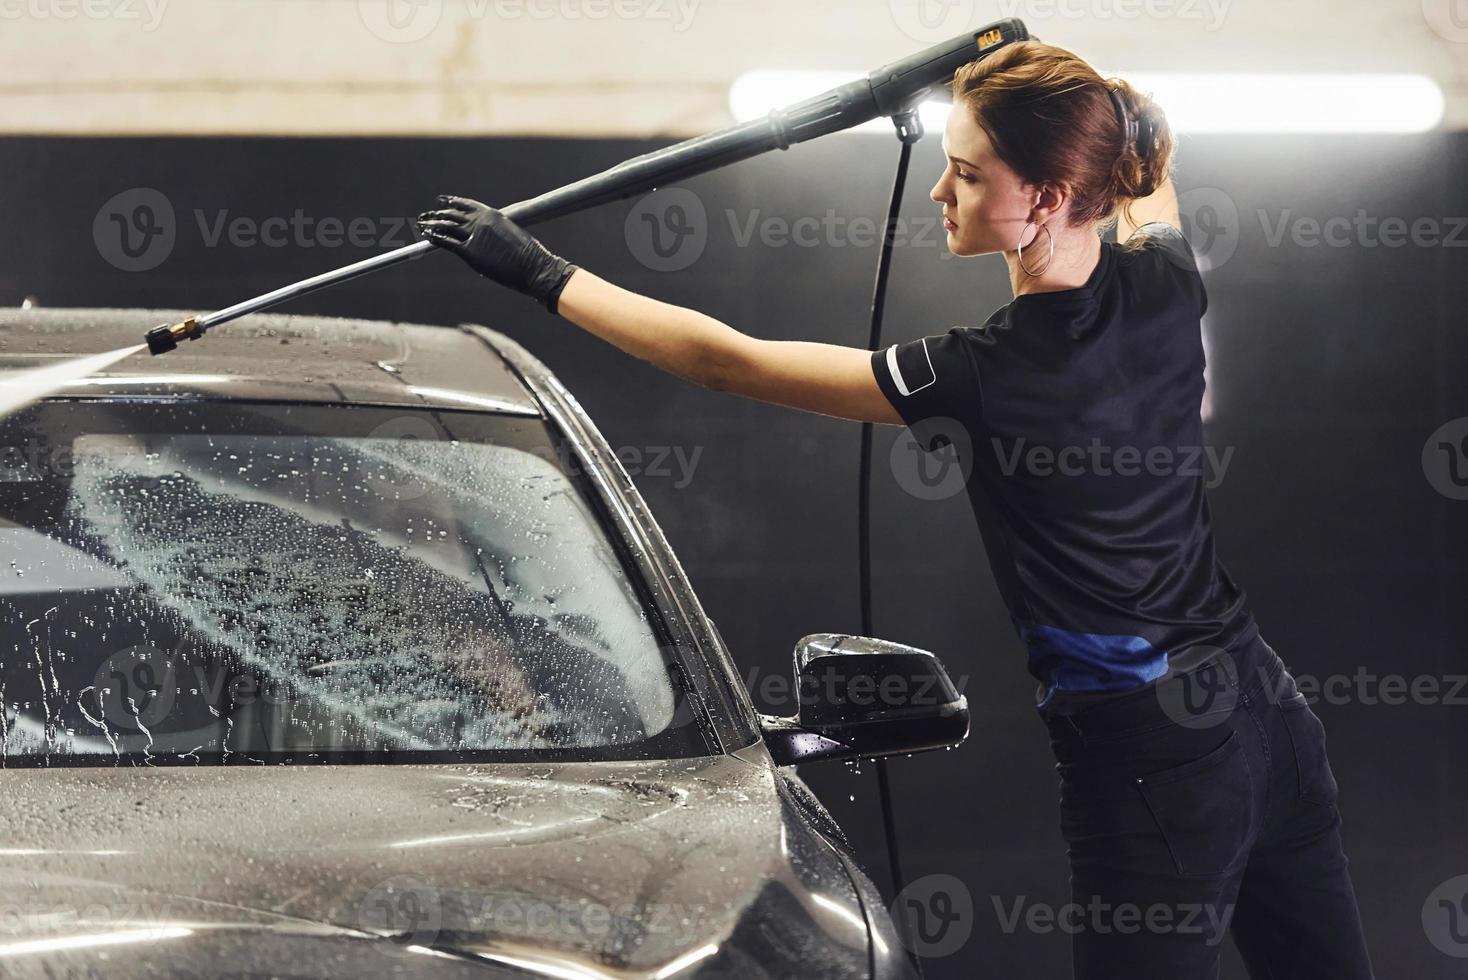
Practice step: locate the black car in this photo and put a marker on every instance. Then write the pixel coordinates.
(339, 648)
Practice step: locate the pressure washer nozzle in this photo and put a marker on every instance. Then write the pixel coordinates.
(165, 338)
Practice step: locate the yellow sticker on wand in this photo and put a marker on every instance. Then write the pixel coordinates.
(990, 38)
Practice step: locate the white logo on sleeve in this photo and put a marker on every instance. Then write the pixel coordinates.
(929, 378)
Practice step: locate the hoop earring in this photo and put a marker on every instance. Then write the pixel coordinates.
(1019, 248)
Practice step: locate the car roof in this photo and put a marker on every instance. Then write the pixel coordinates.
(274, 357)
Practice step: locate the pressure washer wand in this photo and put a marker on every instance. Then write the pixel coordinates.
(888, 91)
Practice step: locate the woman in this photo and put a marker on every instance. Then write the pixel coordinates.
(1195, 792)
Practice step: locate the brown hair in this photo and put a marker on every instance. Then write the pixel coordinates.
(1051, 118)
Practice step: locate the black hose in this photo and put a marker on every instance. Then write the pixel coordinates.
(909, 131)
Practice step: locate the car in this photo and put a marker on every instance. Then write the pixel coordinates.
(346, 648)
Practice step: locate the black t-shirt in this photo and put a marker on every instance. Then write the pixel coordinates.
(1075, 417)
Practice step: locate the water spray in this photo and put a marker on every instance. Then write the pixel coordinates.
(894, 90)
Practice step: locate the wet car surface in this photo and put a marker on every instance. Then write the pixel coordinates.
(346, 648)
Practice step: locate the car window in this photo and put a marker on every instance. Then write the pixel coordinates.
(254, 583)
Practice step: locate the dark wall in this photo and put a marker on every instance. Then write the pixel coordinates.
(1332, 364)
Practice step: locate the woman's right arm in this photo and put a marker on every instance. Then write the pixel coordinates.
(827, 379)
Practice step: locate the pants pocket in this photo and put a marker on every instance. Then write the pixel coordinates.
(1204, 808)
(1307, 737)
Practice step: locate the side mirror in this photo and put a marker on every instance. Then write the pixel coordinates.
(861, 698)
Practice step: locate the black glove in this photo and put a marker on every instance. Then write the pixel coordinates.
(496, 247)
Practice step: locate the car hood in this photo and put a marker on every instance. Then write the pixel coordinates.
(583, 870)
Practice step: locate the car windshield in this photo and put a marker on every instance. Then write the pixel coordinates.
(227, 582)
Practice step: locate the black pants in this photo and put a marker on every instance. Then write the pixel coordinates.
(1201, 806)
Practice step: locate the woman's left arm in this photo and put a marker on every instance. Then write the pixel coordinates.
(827, 379)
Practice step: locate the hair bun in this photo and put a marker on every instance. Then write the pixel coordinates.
(1144, 161)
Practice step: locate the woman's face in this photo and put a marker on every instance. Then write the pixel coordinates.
(985, 203)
